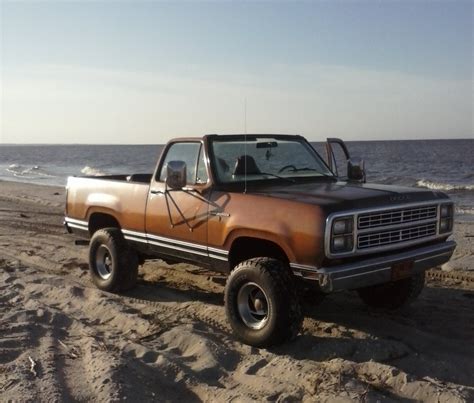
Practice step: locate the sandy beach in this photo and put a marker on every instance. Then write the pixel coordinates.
(61, 339)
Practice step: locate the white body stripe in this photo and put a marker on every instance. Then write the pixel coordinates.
(133, 233)
(217, 257)
(164, 242)
(74, 221)
(183, 243)
(177, 248)
(131, 238)
(218, 251)
(83, 227)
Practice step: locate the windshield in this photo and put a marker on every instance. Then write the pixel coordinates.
(261, 158)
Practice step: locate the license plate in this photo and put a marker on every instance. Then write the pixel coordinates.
(402, 270)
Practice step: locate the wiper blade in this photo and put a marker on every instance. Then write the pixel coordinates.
(304, 169)
(314, 170)
(278, 176)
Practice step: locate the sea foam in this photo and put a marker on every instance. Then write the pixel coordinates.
(89, 171)
(443, 186)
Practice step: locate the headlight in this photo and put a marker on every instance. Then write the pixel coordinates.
(446, 218)
(342, 226)
(342, 235)
(446, 210)
(342, 243)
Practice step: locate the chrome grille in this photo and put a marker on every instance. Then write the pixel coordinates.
(397, 216)
(375, 239)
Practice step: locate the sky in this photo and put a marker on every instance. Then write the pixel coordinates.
(125, 72)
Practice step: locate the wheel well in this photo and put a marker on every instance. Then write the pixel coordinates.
(247, 248)
(98, 221)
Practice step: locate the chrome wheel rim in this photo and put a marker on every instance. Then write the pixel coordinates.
(103, 262)
(252, 304)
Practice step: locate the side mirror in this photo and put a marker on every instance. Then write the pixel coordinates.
(356, 169)
(176, 174)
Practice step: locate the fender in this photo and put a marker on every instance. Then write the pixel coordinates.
(105, 201)
(263, 235)
(101, 210)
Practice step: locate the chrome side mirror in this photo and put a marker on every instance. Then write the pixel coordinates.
(176, 174)
(356, 169)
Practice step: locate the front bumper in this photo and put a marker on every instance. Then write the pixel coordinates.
(378, 270)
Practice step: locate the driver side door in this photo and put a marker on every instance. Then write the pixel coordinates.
(176, 220)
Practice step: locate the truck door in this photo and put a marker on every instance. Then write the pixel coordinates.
(340, 162)
(176, 220)
(337, 155)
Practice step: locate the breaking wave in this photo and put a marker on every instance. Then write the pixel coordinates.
(32, 172)
(15, 168)
(89, 171)
(443, 186)
(465, 210)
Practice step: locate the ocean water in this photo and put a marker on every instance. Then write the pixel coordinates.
(446, 165)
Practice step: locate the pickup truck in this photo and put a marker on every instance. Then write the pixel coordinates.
(271, 213)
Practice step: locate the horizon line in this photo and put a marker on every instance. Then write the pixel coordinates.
(161, 144)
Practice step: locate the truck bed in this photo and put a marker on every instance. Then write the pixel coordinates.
(124, 197)
(140, 177)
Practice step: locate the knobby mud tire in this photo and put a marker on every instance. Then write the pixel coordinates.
(285, 317)
(124, 261)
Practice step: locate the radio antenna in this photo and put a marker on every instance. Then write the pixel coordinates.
(245, 144)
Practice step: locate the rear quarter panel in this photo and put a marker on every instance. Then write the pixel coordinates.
(126, 201)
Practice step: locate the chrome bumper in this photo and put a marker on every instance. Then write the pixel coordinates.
(379, 270)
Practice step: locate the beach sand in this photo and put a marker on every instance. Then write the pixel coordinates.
(168, 340)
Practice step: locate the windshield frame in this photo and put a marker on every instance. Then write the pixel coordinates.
(254, 137)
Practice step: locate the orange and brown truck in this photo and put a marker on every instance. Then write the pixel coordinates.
(271, 213)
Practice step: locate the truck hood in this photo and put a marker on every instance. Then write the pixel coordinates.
(336, 196)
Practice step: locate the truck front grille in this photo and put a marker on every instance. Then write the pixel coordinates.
(376, 239)
(377, 230)
(396, 216)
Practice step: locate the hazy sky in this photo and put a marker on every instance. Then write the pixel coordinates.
(144, 72)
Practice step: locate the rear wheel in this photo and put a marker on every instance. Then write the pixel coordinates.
(261, 303)
(113, 265)
(395, 294)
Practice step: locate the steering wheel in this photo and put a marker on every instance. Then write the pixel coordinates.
(293, 168)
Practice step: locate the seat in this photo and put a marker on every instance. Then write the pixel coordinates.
(246, 163)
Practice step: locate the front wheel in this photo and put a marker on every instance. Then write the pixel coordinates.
(261, 303)
(112, 264)
(393, 295)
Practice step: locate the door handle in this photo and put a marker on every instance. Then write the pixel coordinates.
(156, 192)
(219, 214)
